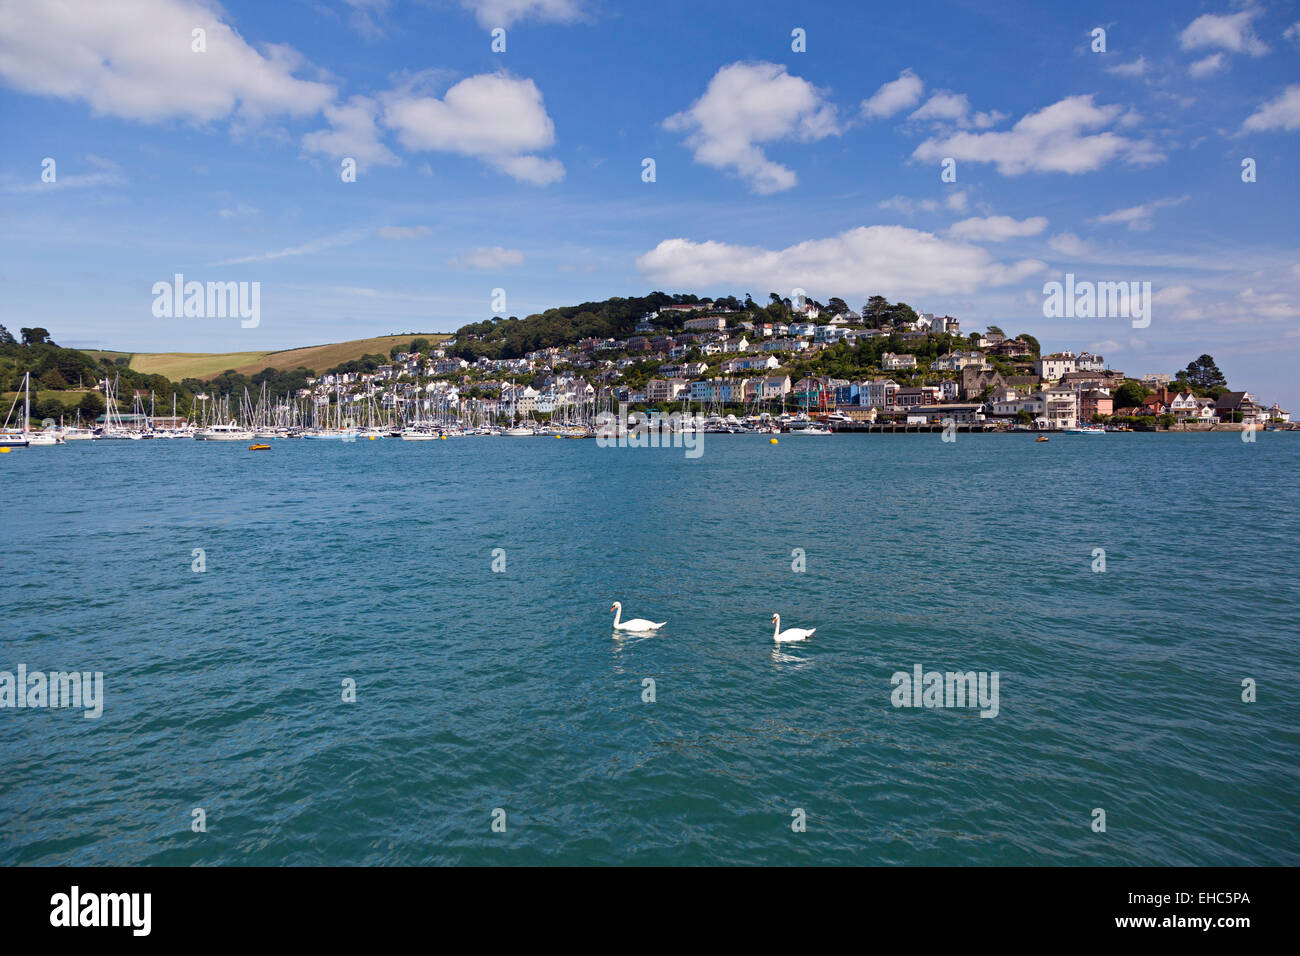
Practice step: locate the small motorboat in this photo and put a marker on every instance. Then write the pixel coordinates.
(259, 447)
(1041, 438)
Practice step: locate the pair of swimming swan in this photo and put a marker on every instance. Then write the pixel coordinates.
(640, 625)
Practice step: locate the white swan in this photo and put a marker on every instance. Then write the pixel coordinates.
(636, 624)
(789, 635)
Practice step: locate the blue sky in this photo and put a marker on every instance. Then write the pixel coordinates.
(774, 169)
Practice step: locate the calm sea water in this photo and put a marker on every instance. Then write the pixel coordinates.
(479, 690)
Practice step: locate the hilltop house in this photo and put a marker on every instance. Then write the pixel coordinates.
(708, 323)
(1053, 367)
(749, 363)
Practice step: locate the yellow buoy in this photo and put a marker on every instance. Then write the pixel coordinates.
(6, 450)
(442, 437)
(772, 441)
(372, 437)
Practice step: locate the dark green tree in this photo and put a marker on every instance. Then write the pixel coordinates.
(1130, 394)
(1204, 375)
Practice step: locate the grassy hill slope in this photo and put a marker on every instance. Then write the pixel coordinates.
(181, 365)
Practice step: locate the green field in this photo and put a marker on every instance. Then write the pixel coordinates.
(70, 399)
(182, 365)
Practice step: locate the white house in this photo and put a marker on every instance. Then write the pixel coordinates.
(1052, 367)
(708, 323)
(891, 362)
(1061, 406)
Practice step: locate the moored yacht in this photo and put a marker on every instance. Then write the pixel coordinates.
(228, 432)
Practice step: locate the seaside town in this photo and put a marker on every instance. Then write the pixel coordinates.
(793, 366)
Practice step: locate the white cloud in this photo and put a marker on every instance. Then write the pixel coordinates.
(307, 248)
(503, 13)
(1207, 65)
(1055, 139)
(240, 209)
(366, 15)
(1233, 32)
(108, 173)
(1137, 68)
(134, 60)
(893, 260)
(1068, 244)
(353, 134)
(1269, 305)
(531, 169)
(484, 257)
(997, 228)
(1292, 32)
(493, 117)
(1138, 218)
(751, 103)
(894, 96)
(403, 232)
(1281, 112)
(954, 201)
(943, 106)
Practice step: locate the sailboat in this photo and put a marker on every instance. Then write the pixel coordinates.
(27, 438)
(114, 426)
(517, 429)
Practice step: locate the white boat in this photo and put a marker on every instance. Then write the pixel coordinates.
(26, 438)
(37, 439)
(519, 431)
(330, 434)
(809, 430)
(1085, 430)
(418, 434)
(229, 432)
